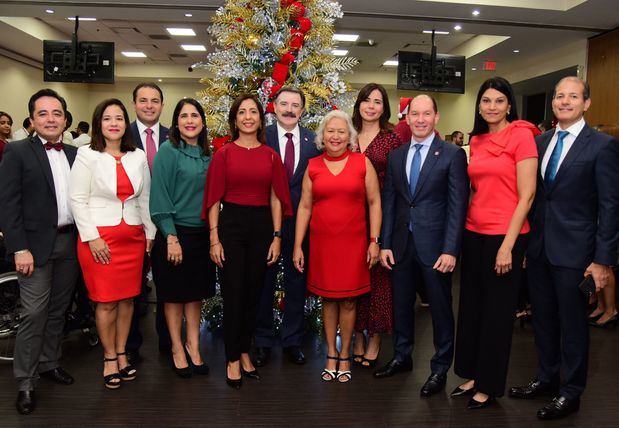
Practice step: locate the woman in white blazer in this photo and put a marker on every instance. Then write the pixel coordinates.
(109, 192)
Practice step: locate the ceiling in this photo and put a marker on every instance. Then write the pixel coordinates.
(532, 28)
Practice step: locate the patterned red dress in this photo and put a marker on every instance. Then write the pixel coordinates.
(375, 310)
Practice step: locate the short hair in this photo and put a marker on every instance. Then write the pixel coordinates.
(83, 126)
(293, 90)
(45, 93)
(97, 141)
(586, 90)
(3, 113)
(68, 119)
(333, 114)
(434, 103)
(363, 95)
(175, 134)
(480, 126)
(455, 134)
(26, 123)
(152, 85)
(234, 131)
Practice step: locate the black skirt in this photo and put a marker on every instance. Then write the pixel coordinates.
(194, 278)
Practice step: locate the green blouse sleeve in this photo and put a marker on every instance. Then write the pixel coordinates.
(163, 185)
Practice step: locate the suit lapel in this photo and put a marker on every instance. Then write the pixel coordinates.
(433, 154)
(544, 141)
(137, 140)
(579, 144)
(163, 134)
(273, 138)
(305, 150)
(39, 151)
(400, 173)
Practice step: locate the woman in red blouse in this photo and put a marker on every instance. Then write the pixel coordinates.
(246, 196)
(502, 169)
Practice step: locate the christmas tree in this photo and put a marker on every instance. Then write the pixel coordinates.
(263, 45)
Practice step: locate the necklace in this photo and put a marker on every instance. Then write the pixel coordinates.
(337, 158)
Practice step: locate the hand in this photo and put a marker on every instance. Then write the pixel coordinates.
(503, 262)
(445, 263)
(100, 251)
(149, 245)
(297, 259)
(601, 275)
(274, 251)
(24, 263)
(217, 254)
(175, 253)
(386, 259)
(373, 254)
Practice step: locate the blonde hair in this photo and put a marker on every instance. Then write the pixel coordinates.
(339, 114)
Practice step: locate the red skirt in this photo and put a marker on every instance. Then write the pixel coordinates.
(122, 278)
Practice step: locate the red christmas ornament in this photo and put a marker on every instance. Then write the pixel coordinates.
(218, 142)
(238, 19)
(276, 88)
(287, 59)
(282, 304)
(334, 107)
(296, 39)
(286, 3)
(270, 107)
(280, 72)
(305, 24)
(297, 10)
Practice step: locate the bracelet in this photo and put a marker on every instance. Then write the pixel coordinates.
(216, 243)
(213, 228)
(17, 253)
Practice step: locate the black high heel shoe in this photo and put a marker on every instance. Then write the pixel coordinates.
(201, 369)
(608, 324)
(368, 364)
(128, 372)
(113, 380)
(234, 383)
(251, 374)
(183, 372)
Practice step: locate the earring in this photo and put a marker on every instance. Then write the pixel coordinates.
(508, 112)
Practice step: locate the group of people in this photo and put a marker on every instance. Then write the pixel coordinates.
(357, 216)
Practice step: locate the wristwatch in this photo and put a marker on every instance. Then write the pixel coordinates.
(375, 239)
(277, 234)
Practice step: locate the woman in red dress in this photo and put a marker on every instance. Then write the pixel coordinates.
(336, 188)
(109, 191)
(375, 140)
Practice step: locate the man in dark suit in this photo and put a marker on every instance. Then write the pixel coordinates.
(425, 198)
(574, 232)
(40, 238)
(148, 134)
(295, 145)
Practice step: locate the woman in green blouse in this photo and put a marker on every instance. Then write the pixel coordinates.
(182, 269)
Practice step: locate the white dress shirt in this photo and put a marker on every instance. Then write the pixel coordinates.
(61, 169)
(20, 134)
(423, 151)
(568, 141)
(142, 130)
(296, 141)
(81, 140)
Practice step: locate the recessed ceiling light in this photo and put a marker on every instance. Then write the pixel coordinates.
(159, 80)
(346, 37)
(131, 54)
(391, 63)
(49, 11)
(181, 31)
(458, 27)
(82, 18)
(435, 32)
(475, 12)
(188, 15)
(194, 47)
(339, 52)
(516, 51)
(474, 68)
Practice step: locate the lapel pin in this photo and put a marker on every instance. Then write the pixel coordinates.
(305, 138)
(436, 153)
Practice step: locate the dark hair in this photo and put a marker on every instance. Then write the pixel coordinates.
(98, 142)
(293, 90)
(234, 111)
(68, 119)
(455, 133)
(83, 126)
(147, 85)
(480, 126)
(46, 93)
(175, 134)
(363, 95)
(26, 123)
(586, 90)
(3, 113)
(434, 104)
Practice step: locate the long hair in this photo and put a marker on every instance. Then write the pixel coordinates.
(234, 131)
(175, 136)
(8, 116)
(480, 126)
(98, 141)
(363, 95)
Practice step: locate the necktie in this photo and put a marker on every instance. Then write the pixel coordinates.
(151, 148)
(56, 146)
(289, 156)
(415, 169)
(555, 156)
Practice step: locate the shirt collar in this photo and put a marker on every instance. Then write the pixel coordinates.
(295, 132)
(59, 140)
(574, 129)
(425, 142)
(142, 127)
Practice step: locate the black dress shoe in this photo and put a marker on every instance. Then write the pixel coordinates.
(26, 402)
(459, 392)
(294, 354)
(535, 388)
(435, 383)
(59, 375)
(475, 405)
(261, 356)
(394, 366)
(252, 374)
(558, 408)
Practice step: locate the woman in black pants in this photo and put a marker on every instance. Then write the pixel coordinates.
(247, 180)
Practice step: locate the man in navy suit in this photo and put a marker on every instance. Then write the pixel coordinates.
(40, 238)
(295, 145)
(425, 198)
(148, 135)
(574, 232)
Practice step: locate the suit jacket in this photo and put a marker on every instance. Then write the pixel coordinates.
(29, 213)
(137, 140)
(575, 220)
(92, 189)
(307, 151)
(437, 209)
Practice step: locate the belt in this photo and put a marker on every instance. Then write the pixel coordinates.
(66, 228)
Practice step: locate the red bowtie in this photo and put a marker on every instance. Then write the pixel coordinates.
(56, 146)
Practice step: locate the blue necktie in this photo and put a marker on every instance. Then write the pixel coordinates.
(555, 156)
(415, 169)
